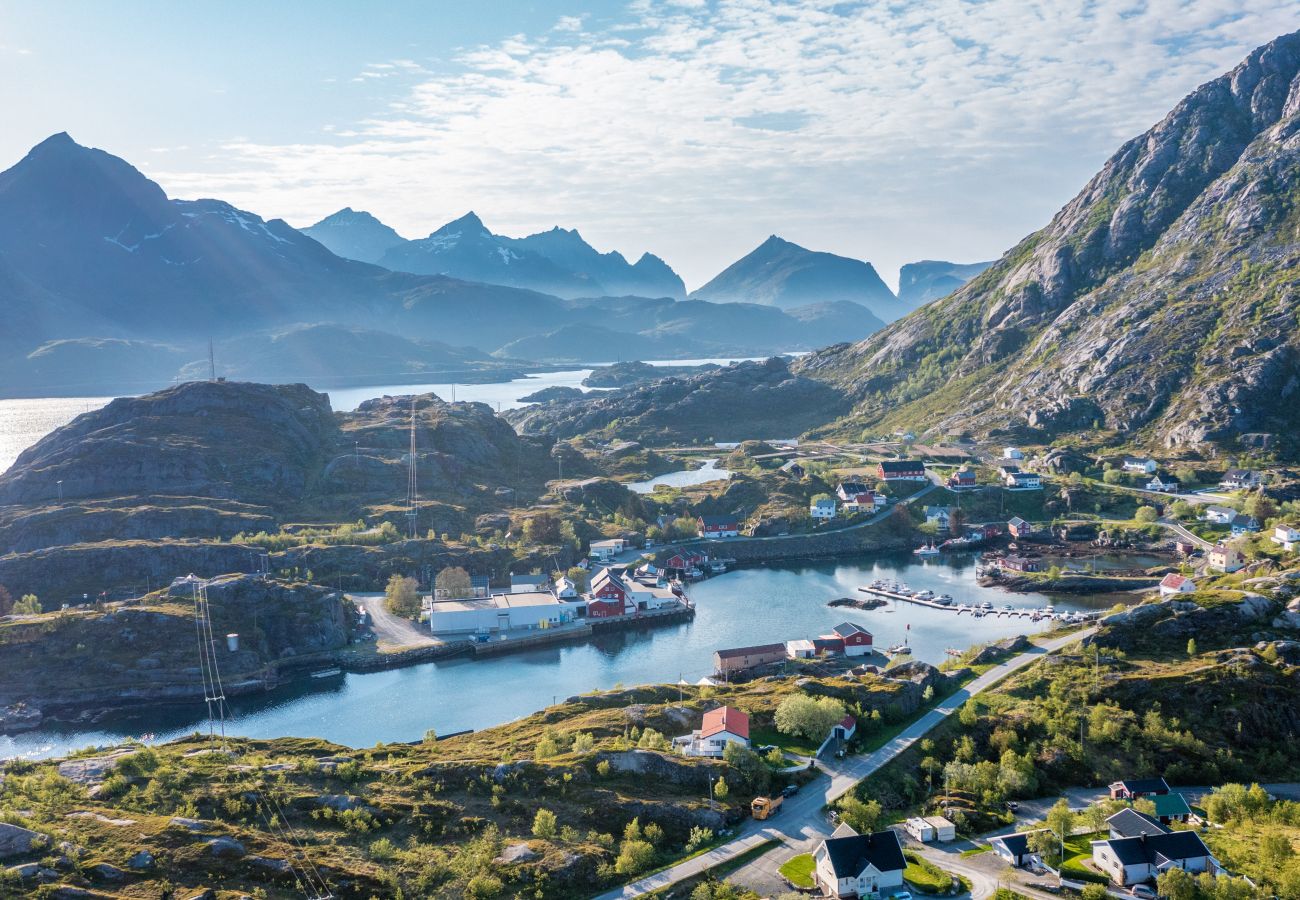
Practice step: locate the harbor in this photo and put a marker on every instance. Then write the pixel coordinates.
(902, 593)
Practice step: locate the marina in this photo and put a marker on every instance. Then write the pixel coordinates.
(901, 592)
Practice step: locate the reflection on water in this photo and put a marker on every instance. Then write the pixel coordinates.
(750, 606)
(683, 478)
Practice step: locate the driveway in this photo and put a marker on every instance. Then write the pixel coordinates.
(393, 632)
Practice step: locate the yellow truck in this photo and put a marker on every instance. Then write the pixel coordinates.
(766, 807)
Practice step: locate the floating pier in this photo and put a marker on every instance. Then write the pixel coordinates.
(977, 611)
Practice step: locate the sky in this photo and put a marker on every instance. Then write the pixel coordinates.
(886, 130)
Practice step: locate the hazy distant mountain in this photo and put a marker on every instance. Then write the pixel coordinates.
(555, 262)
(1159, 303)
(779, 273)
(929, 279)
(354, 235)
(591, 343)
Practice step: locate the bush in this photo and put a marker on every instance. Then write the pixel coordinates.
(544, 824)
(801, 715)
(634, 856)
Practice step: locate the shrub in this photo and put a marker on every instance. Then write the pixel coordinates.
(544, 824)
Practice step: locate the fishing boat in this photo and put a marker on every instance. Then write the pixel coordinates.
(927, 550)
(925, 595)
(944, 600)
(900, 650)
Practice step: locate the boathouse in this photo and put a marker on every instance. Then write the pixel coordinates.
(739, 659)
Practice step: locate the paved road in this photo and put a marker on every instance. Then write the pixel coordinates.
(1178, 529)
(801, 819)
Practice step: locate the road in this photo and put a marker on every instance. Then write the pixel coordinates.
(801, 820)
(392, 632)
(1179, 529)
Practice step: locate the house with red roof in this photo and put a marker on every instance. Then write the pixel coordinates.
(722, 726)
(1174, 583)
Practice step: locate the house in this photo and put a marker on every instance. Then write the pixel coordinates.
(1225, 557)
(1024, 481)
(1134, 860)
(1219, 515)
(1133, 788)
(844, 729)
(828, 644)
(857, 640)
(1140, 464)
(524, 584)
(1288, 536)
(1014, 453)
(919, 829)
(1006, 470)
(1173, 583)
(718, 526)
(1244, 524)
(944, 830)
(800, 649)
(962, 480)
(722, 726)
(613, 586)
(1240, 480)
(1018, 564)
(1165, 482)
(847, 490)
(794, 469)
(685, 561)
(605, 551)
(1129, 823)
(869, 501)
(901, 470)
(822, 509)
(1019, 528)
(939, 516)
(739, 659)
(859, 865)
(1014, 848)
(1171, 807)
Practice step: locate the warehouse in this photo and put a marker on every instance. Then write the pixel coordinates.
(502, 612)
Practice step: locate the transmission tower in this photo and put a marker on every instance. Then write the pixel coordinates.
(411, 488)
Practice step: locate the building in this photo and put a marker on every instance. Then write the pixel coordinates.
(794, 469)
(718, 526)
(800, 649)
(920, 829)
(1288, 536)
(938, 516)
(605, 551)
(1244, 524)
(828, 644)
(1140, 464)
(822, 509)
(1129, 823)
(1165, 482)
(1172, 807)
(1173, 583)
(722, 726)
(526, 584)
(1024, 481)
(1225, 557)
(1135, 860)
(962, 480)
(1018, 564)
(503, 612)
(1006, 470)
(857, 640)
(859, 865)
(869, 501)
(686, 561)
(1014, 848)
(739, 659)
(844, 729)
(1013, 453)
(944, 830)
(1133, 788)
(1219, 515)
(901, 470)
(1240, 480)
(1019, 528)
(613, 588)
(847, 490)
(480, 586)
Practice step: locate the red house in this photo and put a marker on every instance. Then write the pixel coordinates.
(598, 608)
(901, 470)
(857, 640)
(685, 560)
(608, 595)
(718, 526)
(961, 479)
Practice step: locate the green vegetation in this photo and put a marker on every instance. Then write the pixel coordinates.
(924, 876)
(1260, 838)
(402, 597)
(799, 870)
(803, 716)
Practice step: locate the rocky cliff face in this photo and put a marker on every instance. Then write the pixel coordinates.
(1159, 302)
(743, 401)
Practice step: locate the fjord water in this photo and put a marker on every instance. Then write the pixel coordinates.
(749, 606)
(709, 471)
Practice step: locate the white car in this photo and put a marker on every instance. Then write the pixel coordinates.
(1144, 891)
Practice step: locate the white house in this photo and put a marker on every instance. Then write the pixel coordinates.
(1173, 583)
(1219, 515)
(1024, 481)
(1134, 860)
(1013, 848)
(822, 509)
(1240, 480)
(1164, 482)
(939, 516)
(1140, 464)
(859, 865)
(800, 649)
(527, 584)
(1288, 536)
(1225, 558)
(1012, 453)
(721, 726)
(605, 551)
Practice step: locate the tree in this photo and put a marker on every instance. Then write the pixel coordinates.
(579, 576)
(861, 815)
(6, 601)
(1183, 510)
(1275, 851)
(800, 714)
(1176, 884)
(542, 528)
(1261, 506)
(720, 790)
(1112, 476)
(1095, 816)
(402, 597)
(544, 824)
(634, 856)
(1146, 514)
(28, 606)
(684, 527)
(1093, 891)
(452, 583)
(1191, 646)
(1045, 844)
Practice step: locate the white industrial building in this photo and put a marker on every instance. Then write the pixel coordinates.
(503, 612)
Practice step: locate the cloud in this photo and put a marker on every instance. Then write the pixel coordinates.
(883, 130)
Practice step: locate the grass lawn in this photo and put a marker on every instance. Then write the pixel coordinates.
(759, 737)
(925, 876)
(1077, 849)
(799, 871)
(974, 851)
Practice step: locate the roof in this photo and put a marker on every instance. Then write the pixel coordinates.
(1164, 478)
(853, 487)
(607, 576)
(850, 855)
(1171, 805)
(1174, 581)
(792, 464)
(1017, 522)
(901, 465)
(1023, 475)
(1129, 823)
(497, 601)
(1007, 469)
(1220, 510)
(1241, 520)
(1154, 849)
(608, 542)
(1140, 460)
(940, 822)
(800, 644)
(757, 650)
(824, 501)
(848, 723)
(846, 629)
(932, 511)
(1017, 844)
(716, 521)
(530, 579)
(1144, 785)
(828, 643)
(1237, 473)
(725, 718)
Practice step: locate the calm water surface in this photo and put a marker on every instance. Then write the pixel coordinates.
(751, 606)
(683, 478)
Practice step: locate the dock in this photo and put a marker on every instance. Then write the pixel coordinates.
(1033, 614)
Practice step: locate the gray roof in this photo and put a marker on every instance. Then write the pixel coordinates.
(1129, 823)
(1155, 849)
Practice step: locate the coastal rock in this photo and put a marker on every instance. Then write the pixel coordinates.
(92, 770)
(996, 651)
(553, 394)
(19, 717)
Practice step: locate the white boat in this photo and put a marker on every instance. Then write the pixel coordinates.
(927, 550)
(944, 600)
(986, 605)
(900, 650)
(1049, 609)
(925, 595)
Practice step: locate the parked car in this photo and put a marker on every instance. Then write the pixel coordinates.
(790, 790)
(1144, 891)
(1011, 805)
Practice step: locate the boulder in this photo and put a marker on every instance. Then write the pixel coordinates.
(17, 841)
(108, 872)
(225, 848)
(190, 824)
(516, 853)
(142, 861)
(92, 770)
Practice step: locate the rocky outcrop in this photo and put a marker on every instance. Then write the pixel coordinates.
(18, 841)
(1154, 303)
(626, 374)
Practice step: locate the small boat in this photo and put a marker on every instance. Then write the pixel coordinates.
(927, 550)
(987, 604)
(900, 650)
(944, 600)
(925, 595)
(327, 673)
(1049, 609)
(1006, 607)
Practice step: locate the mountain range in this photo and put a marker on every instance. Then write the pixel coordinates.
(921, 282)
(1158, 304)
(107, 284)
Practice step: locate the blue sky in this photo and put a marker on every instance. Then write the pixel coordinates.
(887, 130)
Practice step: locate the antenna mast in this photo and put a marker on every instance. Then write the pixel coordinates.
(212, 363)
(411, 491)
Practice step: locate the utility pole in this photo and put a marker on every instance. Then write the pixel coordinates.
(212, 362)
(411, 485)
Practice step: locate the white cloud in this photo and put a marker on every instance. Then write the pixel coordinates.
(887, 131)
